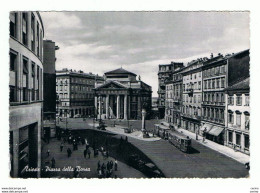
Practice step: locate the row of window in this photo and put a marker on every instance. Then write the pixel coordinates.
(238, 139)
(192, 85)
(214, 114)
(214, 97)
(238, 119)
(191, 110)
(36, 36)
(214, 83)
(192, 99)
(193, 76)
(239, 100)
(31, 79)
(215, 71)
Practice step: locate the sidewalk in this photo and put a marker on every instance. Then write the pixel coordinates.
(238, 156)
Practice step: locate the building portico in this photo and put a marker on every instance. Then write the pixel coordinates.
(121, 96)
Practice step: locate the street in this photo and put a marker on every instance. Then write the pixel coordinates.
(203, 162)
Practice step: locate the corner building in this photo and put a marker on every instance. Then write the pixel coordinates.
(219, 73)
(122, 96)
(26, 92)
(238, 116)
(75, 95)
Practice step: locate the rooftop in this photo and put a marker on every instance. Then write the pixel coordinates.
(241, 85)
(120, 71)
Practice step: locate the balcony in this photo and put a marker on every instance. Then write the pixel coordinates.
(190, 91)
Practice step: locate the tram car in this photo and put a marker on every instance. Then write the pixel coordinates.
(161, 131)
(180, 141)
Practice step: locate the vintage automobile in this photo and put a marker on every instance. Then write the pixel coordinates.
(135, 161)
(151, 170)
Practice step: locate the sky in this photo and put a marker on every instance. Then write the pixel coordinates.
(98, 42)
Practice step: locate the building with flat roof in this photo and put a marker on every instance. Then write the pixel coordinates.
(164, 74)
(122, 96)
(237, 113)
(26, 92)
(75, 95)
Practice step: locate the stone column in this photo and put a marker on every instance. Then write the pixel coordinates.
(125, 107)
(143, 120)
(96, 106)
(107, 106)
(100, 102)
(118, 107)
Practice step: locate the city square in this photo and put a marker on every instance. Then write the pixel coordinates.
(104, 101)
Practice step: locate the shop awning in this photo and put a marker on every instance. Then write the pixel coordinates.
(216, 130)
(206, 127)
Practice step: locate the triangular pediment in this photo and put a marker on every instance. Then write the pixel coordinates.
(111, 85)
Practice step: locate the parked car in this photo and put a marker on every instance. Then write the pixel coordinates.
(136, 162)
(151, 170)
(127, 130)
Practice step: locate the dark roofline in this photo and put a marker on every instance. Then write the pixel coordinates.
(125, 72)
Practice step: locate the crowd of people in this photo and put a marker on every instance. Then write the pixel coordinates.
(68, 139)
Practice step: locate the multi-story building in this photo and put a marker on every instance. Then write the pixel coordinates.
(164, 74)
(122, 96)
(49, 88)
(238, 116)
(26, 92)
(192, 95)
(173, 99)
(75, 93)
(218, 73)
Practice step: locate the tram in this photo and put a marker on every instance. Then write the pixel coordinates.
(179, 140)
(161, 131)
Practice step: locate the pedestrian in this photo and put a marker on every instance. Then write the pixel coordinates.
(126, 139)
(99, 173)
(75, 173)
(85, 153)
(98, 165)
(89, 153)
(115, 165)
(61, 147)
(111, 164)
(103, 167)
(69, 152)
(48, 153)
(53, 162)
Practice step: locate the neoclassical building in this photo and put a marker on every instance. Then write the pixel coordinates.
(122, 96)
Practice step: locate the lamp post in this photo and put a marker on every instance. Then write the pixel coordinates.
(143, 120)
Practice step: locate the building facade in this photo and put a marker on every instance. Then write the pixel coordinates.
(238, 116)
(219, 73)
(173, 104)
(164, 74)
(213, 106)
(26, 92)
(75, 95)
(122, 96)
(192, 96)
(49, 88)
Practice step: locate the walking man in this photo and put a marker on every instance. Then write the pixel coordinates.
(48, 153)
(69, 152)
(115, 165)
(85, 153)
(89, 153)
(61, 147)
